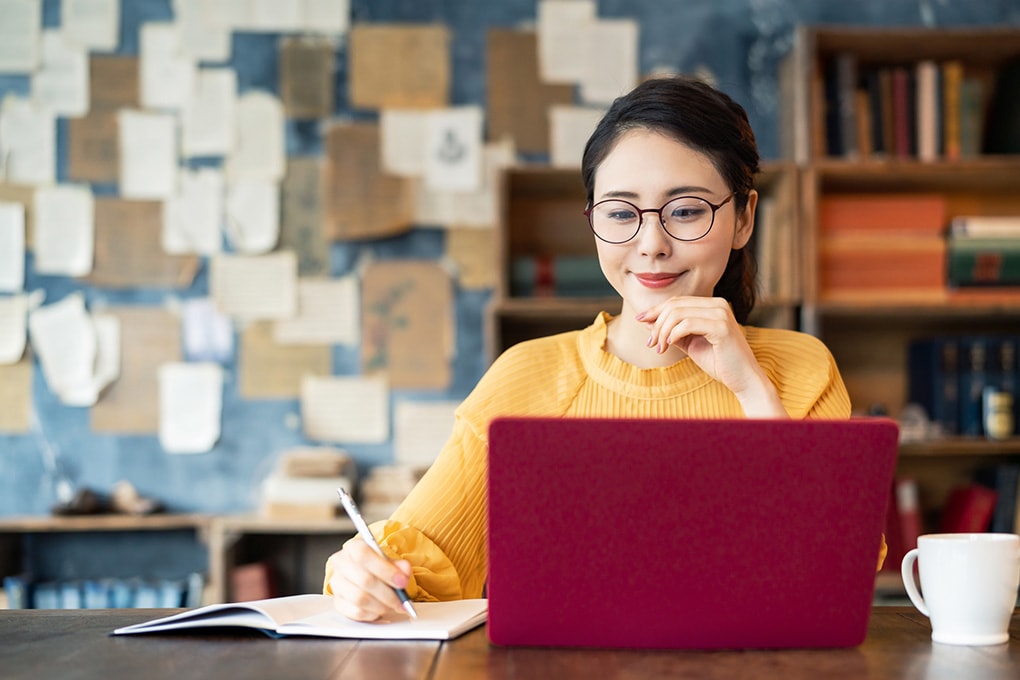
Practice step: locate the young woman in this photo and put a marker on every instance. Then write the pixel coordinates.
(669, 175)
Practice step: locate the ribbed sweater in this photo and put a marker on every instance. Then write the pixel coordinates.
(441, 526)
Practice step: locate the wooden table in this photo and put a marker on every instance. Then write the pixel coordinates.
(69, 644)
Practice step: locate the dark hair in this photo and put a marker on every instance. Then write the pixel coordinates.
(710, 122)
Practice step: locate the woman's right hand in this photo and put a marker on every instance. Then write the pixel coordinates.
(362, 582)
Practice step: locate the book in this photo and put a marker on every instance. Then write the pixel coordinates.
(314, 616)
(851, 263)
(985, 226)
(927, 110)
(968, 509)
(979, 261)
(903, 522)
(932, 366)
(973, 379)
(883, 214)
(952, 74)
(1004, 478)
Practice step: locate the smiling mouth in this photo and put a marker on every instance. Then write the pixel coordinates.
(656, 280)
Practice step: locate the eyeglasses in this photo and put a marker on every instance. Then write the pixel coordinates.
(685, 218)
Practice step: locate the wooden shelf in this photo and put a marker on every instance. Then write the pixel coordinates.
(76, 523)
(961, 446)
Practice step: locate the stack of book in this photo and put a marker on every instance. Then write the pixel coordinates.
(878, 244)
(386, 486)
(303, 485)
(984, 251)
(24, 592)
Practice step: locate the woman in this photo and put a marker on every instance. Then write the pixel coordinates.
(669, 175)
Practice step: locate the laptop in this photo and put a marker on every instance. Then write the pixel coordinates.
(685, 534)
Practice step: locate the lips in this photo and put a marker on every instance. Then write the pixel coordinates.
(656, 280)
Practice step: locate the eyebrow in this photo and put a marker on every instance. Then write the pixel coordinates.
(685, 190)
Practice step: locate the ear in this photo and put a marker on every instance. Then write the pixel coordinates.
(745, 221)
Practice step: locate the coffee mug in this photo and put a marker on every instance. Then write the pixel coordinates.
(969, 583)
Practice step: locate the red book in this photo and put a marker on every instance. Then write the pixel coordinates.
(903, 523)
(902, 128)
(968, 510)
(920, 214)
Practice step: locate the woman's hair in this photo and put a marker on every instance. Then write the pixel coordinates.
(710, 122)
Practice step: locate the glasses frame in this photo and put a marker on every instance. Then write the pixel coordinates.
(658, 211)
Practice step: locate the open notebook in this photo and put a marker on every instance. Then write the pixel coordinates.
(685, 533)
(313, 615)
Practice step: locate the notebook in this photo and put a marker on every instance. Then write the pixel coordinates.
(685, 534)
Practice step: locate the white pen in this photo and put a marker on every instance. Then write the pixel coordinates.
(352, 511)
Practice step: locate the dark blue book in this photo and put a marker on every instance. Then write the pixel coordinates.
(17, 591)
(973, 379)
(1003, 479)
(933, 381)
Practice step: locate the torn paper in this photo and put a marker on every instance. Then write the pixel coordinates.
(190, 406)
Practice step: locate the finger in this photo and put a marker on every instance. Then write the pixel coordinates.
(364, 581)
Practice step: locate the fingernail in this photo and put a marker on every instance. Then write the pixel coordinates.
(400, 580)
(651, 341)
(640, 317)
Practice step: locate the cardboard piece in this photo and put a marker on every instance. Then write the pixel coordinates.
(307, 76)
(272, 371)
(399, 66)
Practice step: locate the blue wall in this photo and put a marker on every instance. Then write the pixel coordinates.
(740, 41)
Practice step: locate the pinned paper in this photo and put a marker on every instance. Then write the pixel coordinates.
(307, 76)
(28, 134)
(190, 406)
(327, 314)
(517, 101)
(91, 24)
(13, 328)
(25, 197)
(148, 155)
(453, 158)
(302, 227)
(201, 39)
(12, 248)
(150, 337)
(192, 218)
(64, 230)
(403, 135)
(362, 201)
(571, 126)
(62, 82)
(93, 149)
(207, 123)
(611, 66)
(473, 252)
(479, 208)
(258, 152)
(345, 409)
(404, 302)
(253, 215)
(563, 38)
(128, 252)
(208, 335)
(16, 397)
(420, 430)
(19, 36)
(167, 72)
(114, 82)
(269, 370)
(254, 286)
(399, 66)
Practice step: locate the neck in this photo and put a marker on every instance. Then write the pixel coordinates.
(627, 339)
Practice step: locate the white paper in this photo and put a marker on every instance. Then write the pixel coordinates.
(148, 154)
(19, 35)
(259, 152)
(167, 74)
(190, 406)
(570, 127)
(563, 39)
(62, 82)
(12, 247)
(275, 16)
(91, 24)
(420, 429)
(254, 286)
(612, 64)
(79, 356)
(345, 409)
(326, 16)
(64, 238)
(468, 208)
(192, 218)
(28, 142)
(328, 313)
(13, 328)
(230, 15)
(453, 160)
(208, 335)
(207, 122)
(253, 215)
(201, 38)
(403, 136)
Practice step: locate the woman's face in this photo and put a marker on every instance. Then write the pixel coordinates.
(648, 169)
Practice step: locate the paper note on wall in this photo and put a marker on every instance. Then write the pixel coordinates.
(91, 24)
(192, 218)
(201, 39)
(403, 135)
(363, 201)
(208, 335)
(254, 286)
(13, 328)
(19, 36)
(571, 126)
(16, 397)
(62, 82)
(128, 252)
(114, 82)
(253, 215)
(28, 134)
(612, 64)
(345, 409)
(25, 197)
(167, 73)
(258, 152)
(270, 370)
(190, 406)
(563, 39)
(93, 149)
(302, 227)
(478, 208)
(327, 314)
(404, 303)
(207, 121)
(453, 149)
(420, 429)
(473, 252)
(64, 230)
(12, 247)
(150, 337)
(148, 154)
(399, 66)
(307, 77)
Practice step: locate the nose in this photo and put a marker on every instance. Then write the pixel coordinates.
(652, 239)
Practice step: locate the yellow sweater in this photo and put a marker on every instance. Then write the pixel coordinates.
(440, 527)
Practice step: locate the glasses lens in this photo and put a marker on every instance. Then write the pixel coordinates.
(615, 221)
(687, 218)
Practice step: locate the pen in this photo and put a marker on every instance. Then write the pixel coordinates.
(367, 537)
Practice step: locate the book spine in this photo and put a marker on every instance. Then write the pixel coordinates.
(973, 378)
(981, 226)
(987, 265)
(971, 117)
(846, 97)
(968, 509)
(901, 112)
(933, 383)
(952, 74)
(926, 97)
(561, 276)
(879, 141)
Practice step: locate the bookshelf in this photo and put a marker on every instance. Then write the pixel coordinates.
(831, 83)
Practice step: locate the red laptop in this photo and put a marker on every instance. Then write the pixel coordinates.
(685, 534)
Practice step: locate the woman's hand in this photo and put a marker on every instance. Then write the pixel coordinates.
(706, 331)
(363, 581)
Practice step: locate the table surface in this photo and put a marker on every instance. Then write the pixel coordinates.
(69, 644)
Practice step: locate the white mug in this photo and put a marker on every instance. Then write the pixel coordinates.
(970, 585)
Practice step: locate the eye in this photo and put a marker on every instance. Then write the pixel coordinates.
(617, 211)
(688, 210)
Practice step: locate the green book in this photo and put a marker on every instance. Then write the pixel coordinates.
(984, 261)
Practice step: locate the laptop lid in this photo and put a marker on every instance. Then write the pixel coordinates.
(694, 534)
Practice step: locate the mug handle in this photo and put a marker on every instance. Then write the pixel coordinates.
(907, 573)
